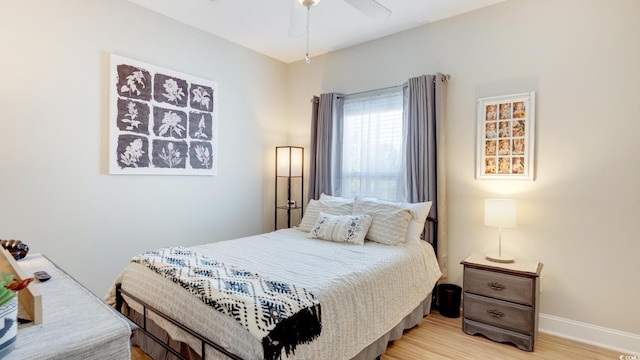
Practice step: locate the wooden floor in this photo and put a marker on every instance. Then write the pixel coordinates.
(441, 338)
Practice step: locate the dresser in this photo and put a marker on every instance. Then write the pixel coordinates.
(76, 324)
(501, 300)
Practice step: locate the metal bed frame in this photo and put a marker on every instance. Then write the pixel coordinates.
(143, 327)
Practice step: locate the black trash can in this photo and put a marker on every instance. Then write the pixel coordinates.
(449, 300)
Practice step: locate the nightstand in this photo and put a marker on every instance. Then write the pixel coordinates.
(501, 301)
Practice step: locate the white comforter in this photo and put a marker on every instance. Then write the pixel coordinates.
(364, 290)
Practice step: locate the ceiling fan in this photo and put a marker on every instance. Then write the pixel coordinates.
(371, 8)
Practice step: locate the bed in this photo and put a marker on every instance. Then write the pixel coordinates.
(369, 291)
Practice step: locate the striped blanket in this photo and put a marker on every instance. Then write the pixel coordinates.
(282, 315)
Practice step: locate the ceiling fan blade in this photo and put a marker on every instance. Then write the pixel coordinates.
(371, 8)
(298, 23)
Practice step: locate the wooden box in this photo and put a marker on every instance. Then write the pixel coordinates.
(30, 298)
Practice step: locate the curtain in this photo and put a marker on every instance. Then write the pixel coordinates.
(424, 101)
(325, 159)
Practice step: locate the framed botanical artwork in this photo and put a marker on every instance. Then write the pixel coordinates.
(161, 121)
(506, 137)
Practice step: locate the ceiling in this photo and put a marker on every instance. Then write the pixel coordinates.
(263, 25)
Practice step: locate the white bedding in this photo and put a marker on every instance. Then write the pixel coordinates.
(364, 290)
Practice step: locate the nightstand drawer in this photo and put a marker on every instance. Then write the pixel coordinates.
(500, 286)
(499, 313)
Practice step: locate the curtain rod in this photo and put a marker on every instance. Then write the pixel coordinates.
(445, 77)
(370, 91)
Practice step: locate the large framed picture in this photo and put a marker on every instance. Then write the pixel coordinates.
(162, 122)
(506, 137)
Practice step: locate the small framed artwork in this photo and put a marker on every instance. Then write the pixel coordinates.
(506, 137)
(162, 122)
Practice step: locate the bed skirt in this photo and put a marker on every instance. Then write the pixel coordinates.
(158, 352)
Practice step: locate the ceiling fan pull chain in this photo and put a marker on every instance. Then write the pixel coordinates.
(307, 59)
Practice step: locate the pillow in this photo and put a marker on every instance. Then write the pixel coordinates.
(390, 221)
(416, 225)
(314, 208)
(324, 196)
(341, 228)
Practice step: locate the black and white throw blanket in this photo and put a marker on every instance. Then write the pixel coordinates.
(282, 315)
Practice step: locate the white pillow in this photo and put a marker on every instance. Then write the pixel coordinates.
(324, 196)
(341, 228)
(420, 211)
(314, 208)
(416, 225)
(390, 221)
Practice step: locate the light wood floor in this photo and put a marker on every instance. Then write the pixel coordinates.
(441, 338)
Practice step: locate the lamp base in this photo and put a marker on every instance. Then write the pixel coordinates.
(500, 258)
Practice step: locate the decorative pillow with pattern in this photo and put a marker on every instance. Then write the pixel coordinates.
(341, 228)
(330, 207)
(390, 222)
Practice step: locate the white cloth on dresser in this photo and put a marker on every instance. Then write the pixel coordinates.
(76, 324)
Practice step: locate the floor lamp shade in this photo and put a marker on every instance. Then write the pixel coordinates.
(500, 213)
(289, 160)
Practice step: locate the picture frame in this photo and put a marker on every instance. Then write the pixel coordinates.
(506, 137)
(161, 122)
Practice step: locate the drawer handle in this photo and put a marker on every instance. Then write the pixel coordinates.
(496, 286)
(495, 313)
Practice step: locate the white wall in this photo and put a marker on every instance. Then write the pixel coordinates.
(55, 194)
(579, 216)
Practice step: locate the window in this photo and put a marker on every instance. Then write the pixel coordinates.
(372, 145)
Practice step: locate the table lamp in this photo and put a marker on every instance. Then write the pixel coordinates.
(500, 213)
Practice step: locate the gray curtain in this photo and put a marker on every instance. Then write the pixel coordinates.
(325, 153)
(424, 107)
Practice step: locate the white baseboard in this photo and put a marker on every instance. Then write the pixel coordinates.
(626, 343)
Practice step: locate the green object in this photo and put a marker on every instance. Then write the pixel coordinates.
(5, 294)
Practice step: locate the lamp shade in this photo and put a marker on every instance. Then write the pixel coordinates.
(500, 213)
(289, 161)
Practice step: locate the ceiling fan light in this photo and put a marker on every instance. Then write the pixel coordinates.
(309, 3)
